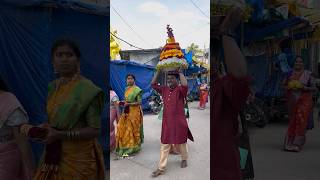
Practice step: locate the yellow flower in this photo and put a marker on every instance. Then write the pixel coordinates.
(169, 53)
(294, 84)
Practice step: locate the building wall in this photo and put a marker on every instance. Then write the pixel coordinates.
(147, 58)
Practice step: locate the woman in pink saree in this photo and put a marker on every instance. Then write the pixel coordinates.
(15, 151)
(114, 116)
(300, 87)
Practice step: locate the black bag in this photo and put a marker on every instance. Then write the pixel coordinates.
(186, 109)
(244, 143)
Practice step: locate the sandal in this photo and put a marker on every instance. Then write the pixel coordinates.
(116, 158)
(292, 149)
(157, 173)
(296, 149)
(184, 164)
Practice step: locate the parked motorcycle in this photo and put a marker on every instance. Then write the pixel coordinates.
(155, 103)
(276, 108)
(254, 112)
(192, 96)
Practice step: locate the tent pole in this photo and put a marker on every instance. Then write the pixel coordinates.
(242, 36)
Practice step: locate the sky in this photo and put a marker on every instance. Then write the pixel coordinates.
(148, 20)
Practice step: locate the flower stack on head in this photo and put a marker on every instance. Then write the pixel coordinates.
(171, 57)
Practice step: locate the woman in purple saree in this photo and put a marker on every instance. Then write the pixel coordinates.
(114, 116)
(15, 151)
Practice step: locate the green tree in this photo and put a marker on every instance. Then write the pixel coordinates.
(195, 49)
(196, 52)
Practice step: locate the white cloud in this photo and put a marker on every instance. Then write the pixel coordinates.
(155, 8)
(150, 20)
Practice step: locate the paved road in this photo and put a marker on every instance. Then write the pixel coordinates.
(142, 165)
(270, 162)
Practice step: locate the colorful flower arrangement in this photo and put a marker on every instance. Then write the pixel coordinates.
(171, 53)
(171, 56)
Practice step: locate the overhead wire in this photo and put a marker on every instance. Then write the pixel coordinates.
(195, 5)
(137, 34)
(126, 41)
(195, 30)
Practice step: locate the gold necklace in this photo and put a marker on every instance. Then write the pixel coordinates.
(59, 96)
(63, 81)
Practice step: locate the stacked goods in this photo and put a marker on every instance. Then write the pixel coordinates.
(171, 57)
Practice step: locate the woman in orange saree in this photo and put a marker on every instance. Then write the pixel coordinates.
(74, 108)
(300, 86)
(129, 136)
(204, 92)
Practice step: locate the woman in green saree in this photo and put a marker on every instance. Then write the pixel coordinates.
(129, 136)
(74, 108)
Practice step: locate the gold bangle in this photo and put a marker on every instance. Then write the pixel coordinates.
(69, 134)
(77, 134)
(73, 134)
(24, 129)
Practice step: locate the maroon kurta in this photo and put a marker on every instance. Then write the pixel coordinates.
(175, 128)
(229, 94)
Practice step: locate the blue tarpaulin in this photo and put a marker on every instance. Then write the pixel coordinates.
(143, 74)
(188, 56)
(75, 5)
(28, 30)
(258, 7)
(257, 33)
(258, 68)
(195, 70)
(273, 86)
(193, 85)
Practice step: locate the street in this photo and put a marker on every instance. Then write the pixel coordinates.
(271, 162)
(143, 164)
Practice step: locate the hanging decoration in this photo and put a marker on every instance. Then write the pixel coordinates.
(114, 46)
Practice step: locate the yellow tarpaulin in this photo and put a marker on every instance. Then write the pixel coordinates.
(316, 35)
(201, 63)
(312, 15)
(303, 3)
(222, 7)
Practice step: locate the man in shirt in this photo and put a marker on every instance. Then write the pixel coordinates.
(229, 95)
(174, 124)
